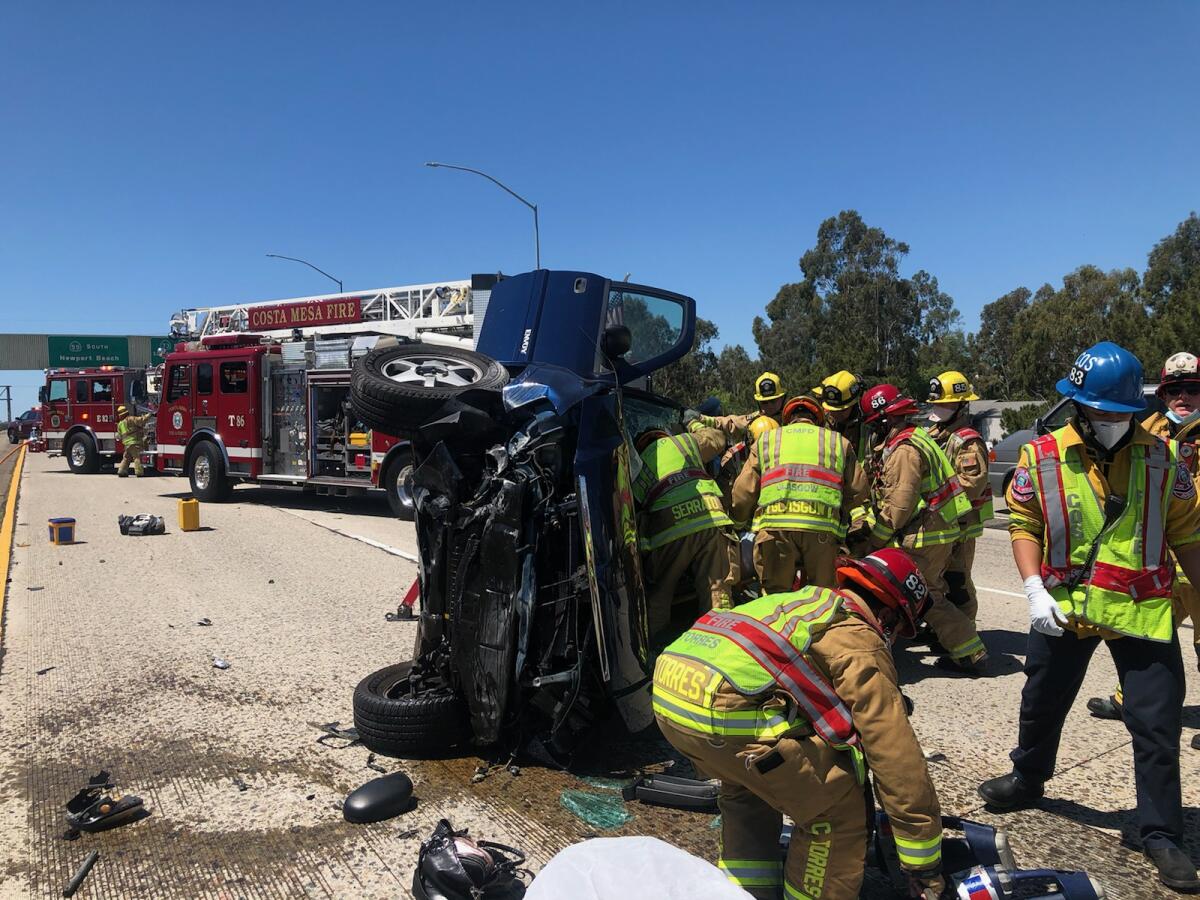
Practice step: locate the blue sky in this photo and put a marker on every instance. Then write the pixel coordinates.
(152, 153)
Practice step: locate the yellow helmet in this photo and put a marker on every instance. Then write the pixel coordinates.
(760, 425)
(840, 390)
(121, 410)
(767, 386)
(950, 387)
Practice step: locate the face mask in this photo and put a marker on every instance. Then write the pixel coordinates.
(1175, 417)
(940, 414)
(1109, 434)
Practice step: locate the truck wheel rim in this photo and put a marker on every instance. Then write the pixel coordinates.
(78, 453)
(432, 371)
(402, 492)
(202, 472)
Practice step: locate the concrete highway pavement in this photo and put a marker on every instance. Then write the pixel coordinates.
(105, 667)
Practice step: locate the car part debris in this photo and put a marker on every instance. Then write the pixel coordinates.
(379, 799)
(141, 524)
(597, 810)
(1032, 884)
(35, 588)
(404, 612)
(374, 766)
(47, 669)
(99, 806)
(332, 732)
(205, 621)
(674, 792)
(453, 866)
(81, 873)
(240, 784)
(219, 663)
(980, 845)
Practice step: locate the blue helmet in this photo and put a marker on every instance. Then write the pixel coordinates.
(1105, 377)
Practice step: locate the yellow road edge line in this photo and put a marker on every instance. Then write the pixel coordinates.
(6, 530)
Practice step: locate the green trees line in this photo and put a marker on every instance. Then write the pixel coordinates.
(854, 310)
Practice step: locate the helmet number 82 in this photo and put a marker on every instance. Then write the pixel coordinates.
(913, 583)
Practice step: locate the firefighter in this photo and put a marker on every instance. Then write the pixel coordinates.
(1103, 572)
(916, 502)
(684, 524)
(1179, 391)
(799, 483)
(784, 699)
(131, 433)
(839, 394)
(950, 396)
(768, 391)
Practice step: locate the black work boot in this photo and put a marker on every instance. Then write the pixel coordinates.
(1175, 868)
(1011, 791)
(1104, 707)
(1196, 741)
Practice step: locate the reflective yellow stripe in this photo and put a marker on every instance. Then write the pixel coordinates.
(744, 723)
(974, 645)
(752, 872)
(919, 854)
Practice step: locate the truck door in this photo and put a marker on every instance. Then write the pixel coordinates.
(102, 407)
(237, 385)
(55, 412)
(174, 423)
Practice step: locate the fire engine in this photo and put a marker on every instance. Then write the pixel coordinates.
(79, 412)
(259, 392)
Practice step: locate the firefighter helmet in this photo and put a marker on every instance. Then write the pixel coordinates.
(121, 410)
(951, 387)
(840, 390)
(890, 576)
(648, 437)
(1180, 368)
(1105, 377)
(885, 400)
(760, 425)
(767, 386)
(803, 406)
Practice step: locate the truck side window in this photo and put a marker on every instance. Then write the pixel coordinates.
(81, 390)
(102, 390)
(233, 378)
(179, 383)
(58, 390)
(204, 379)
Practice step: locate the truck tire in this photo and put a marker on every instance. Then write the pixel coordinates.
(392, 722)
(12, 436)
(396, 389)
(80, 451)
(206, 472)
(399, 493)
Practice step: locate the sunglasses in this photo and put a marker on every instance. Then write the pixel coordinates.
(1176, 390)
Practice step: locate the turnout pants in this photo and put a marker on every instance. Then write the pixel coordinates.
(960, 588)
(803, 778)
(779, 553)
(712, 557)
(131, 455)
(955, 629)
(1151, 674)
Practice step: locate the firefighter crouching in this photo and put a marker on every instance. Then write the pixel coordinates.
(784, 699)
(950, 396)
(799, 483)
(131, 433)
(684, 525)
(769, 392)
(916, 504)
(1097, 507)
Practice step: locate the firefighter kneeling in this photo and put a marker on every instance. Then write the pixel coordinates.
(788, 700)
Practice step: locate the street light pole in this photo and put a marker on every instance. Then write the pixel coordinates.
(337, 281)
(537, 240)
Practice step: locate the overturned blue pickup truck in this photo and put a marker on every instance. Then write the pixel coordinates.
(532, 618)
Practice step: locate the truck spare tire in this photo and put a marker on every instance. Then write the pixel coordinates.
(398, 388)
(391, 721)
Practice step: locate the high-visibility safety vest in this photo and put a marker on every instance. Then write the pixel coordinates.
(1129, 588)
(801, 484)
(676, 492)
(972, 526)
(943, 501)
(130, 432)
(757, 649)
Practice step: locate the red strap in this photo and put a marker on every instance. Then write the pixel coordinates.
(968, 434)
(900, 438)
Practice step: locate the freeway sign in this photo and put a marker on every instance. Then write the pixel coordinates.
(82, 351)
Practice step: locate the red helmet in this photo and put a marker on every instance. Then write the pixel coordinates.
(890, 576)
(648, 437)
(885, 400)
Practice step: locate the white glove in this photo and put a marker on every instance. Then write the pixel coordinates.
(1044, 614)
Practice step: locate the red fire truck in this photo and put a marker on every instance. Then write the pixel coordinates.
(261, 392)
(79, 412)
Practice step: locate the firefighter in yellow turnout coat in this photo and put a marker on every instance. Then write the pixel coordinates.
(788, 699)
(131, 432)
(683, 521)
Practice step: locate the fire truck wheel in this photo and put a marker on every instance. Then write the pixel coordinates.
(396, 389)
(393, 722)
(206, 471)
(81, 455)
(399, 493)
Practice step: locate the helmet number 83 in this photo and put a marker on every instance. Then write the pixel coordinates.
(1079, 371)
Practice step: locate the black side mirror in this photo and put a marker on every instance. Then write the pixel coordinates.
(42, 394)
(1040, 428)
(617, 341)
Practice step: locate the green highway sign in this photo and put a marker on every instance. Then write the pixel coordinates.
(68, 351)
(159, 348)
